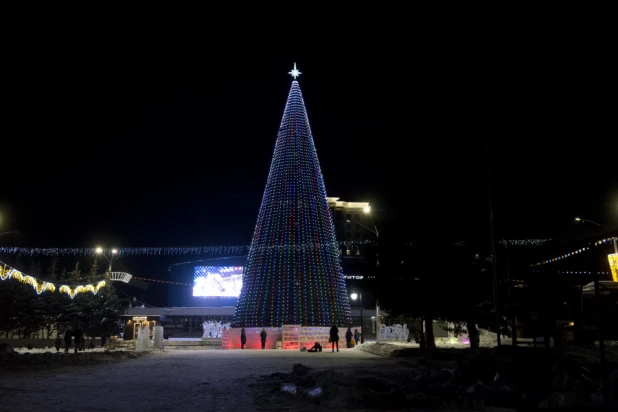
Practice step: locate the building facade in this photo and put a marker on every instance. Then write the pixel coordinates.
(349, 219)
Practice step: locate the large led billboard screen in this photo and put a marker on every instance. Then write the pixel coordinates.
(217, 281)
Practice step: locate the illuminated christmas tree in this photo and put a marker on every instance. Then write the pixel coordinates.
(293, 275)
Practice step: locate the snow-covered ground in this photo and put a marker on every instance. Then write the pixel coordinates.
(206, 380)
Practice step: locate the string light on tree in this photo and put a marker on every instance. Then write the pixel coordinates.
(7, 272)
(293, 275)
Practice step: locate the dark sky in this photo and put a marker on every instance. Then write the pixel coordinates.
(134, 146)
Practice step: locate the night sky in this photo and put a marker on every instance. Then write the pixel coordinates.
(131, 147)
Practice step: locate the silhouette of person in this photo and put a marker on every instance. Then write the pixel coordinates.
(348, 338)
(316, 347)
(67, 341)
(77, 335)
(58, 343)
(243, 338)
(263, 335)
(334, 336)
(357, 336)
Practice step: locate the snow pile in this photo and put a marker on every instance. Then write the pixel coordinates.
(48, 357)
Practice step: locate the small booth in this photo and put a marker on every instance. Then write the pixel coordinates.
(133, 325)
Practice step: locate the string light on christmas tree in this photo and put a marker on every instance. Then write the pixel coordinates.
(293, 274)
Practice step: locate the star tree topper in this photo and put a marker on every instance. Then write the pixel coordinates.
(295, 73)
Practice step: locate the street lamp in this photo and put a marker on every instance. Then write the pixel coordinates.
(110, 259)
(355, 295)
(579, 219)
(376, 232)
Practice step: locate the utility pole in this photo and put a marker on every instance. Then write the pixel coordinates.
(493, 244)
(600, 326)
(512, 314)
(377, 322)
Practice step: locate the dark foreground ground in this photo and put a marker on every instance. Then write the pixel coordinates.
(371, 377)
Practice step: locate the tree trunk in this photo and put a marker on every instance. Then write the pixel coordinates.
(430, 339)
(473, 336)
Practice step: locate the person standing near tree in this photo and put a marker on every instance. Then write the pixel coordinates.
(334, 336)
(243, 338)
(357, 336)
(67, 341)
(263, 335)
(77, 335)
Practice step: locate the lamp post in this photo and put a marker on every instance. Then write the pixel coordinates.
(359, 295)
(110, 259)
(422, 343)
(376, 232)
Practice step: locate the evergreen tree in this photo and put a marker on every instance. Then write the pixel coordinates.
(53, 270)
(10, 306)
(72, 315)
(52, 300)
(100, 313)
(293, 274)
(74, 275)
(94, 269)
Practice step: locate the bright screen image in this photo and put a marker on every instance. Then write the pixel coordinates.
(217, 281)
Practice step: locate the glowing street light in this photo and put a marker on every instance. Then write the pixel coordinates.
(110, 259)
(375, 230)
(579, 219)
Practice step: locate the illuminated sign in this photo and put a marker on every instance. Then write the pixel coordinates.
(613, 265)
(217, 281)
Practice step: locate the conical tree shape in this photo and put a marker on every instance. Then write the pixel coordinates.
(293, 275)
